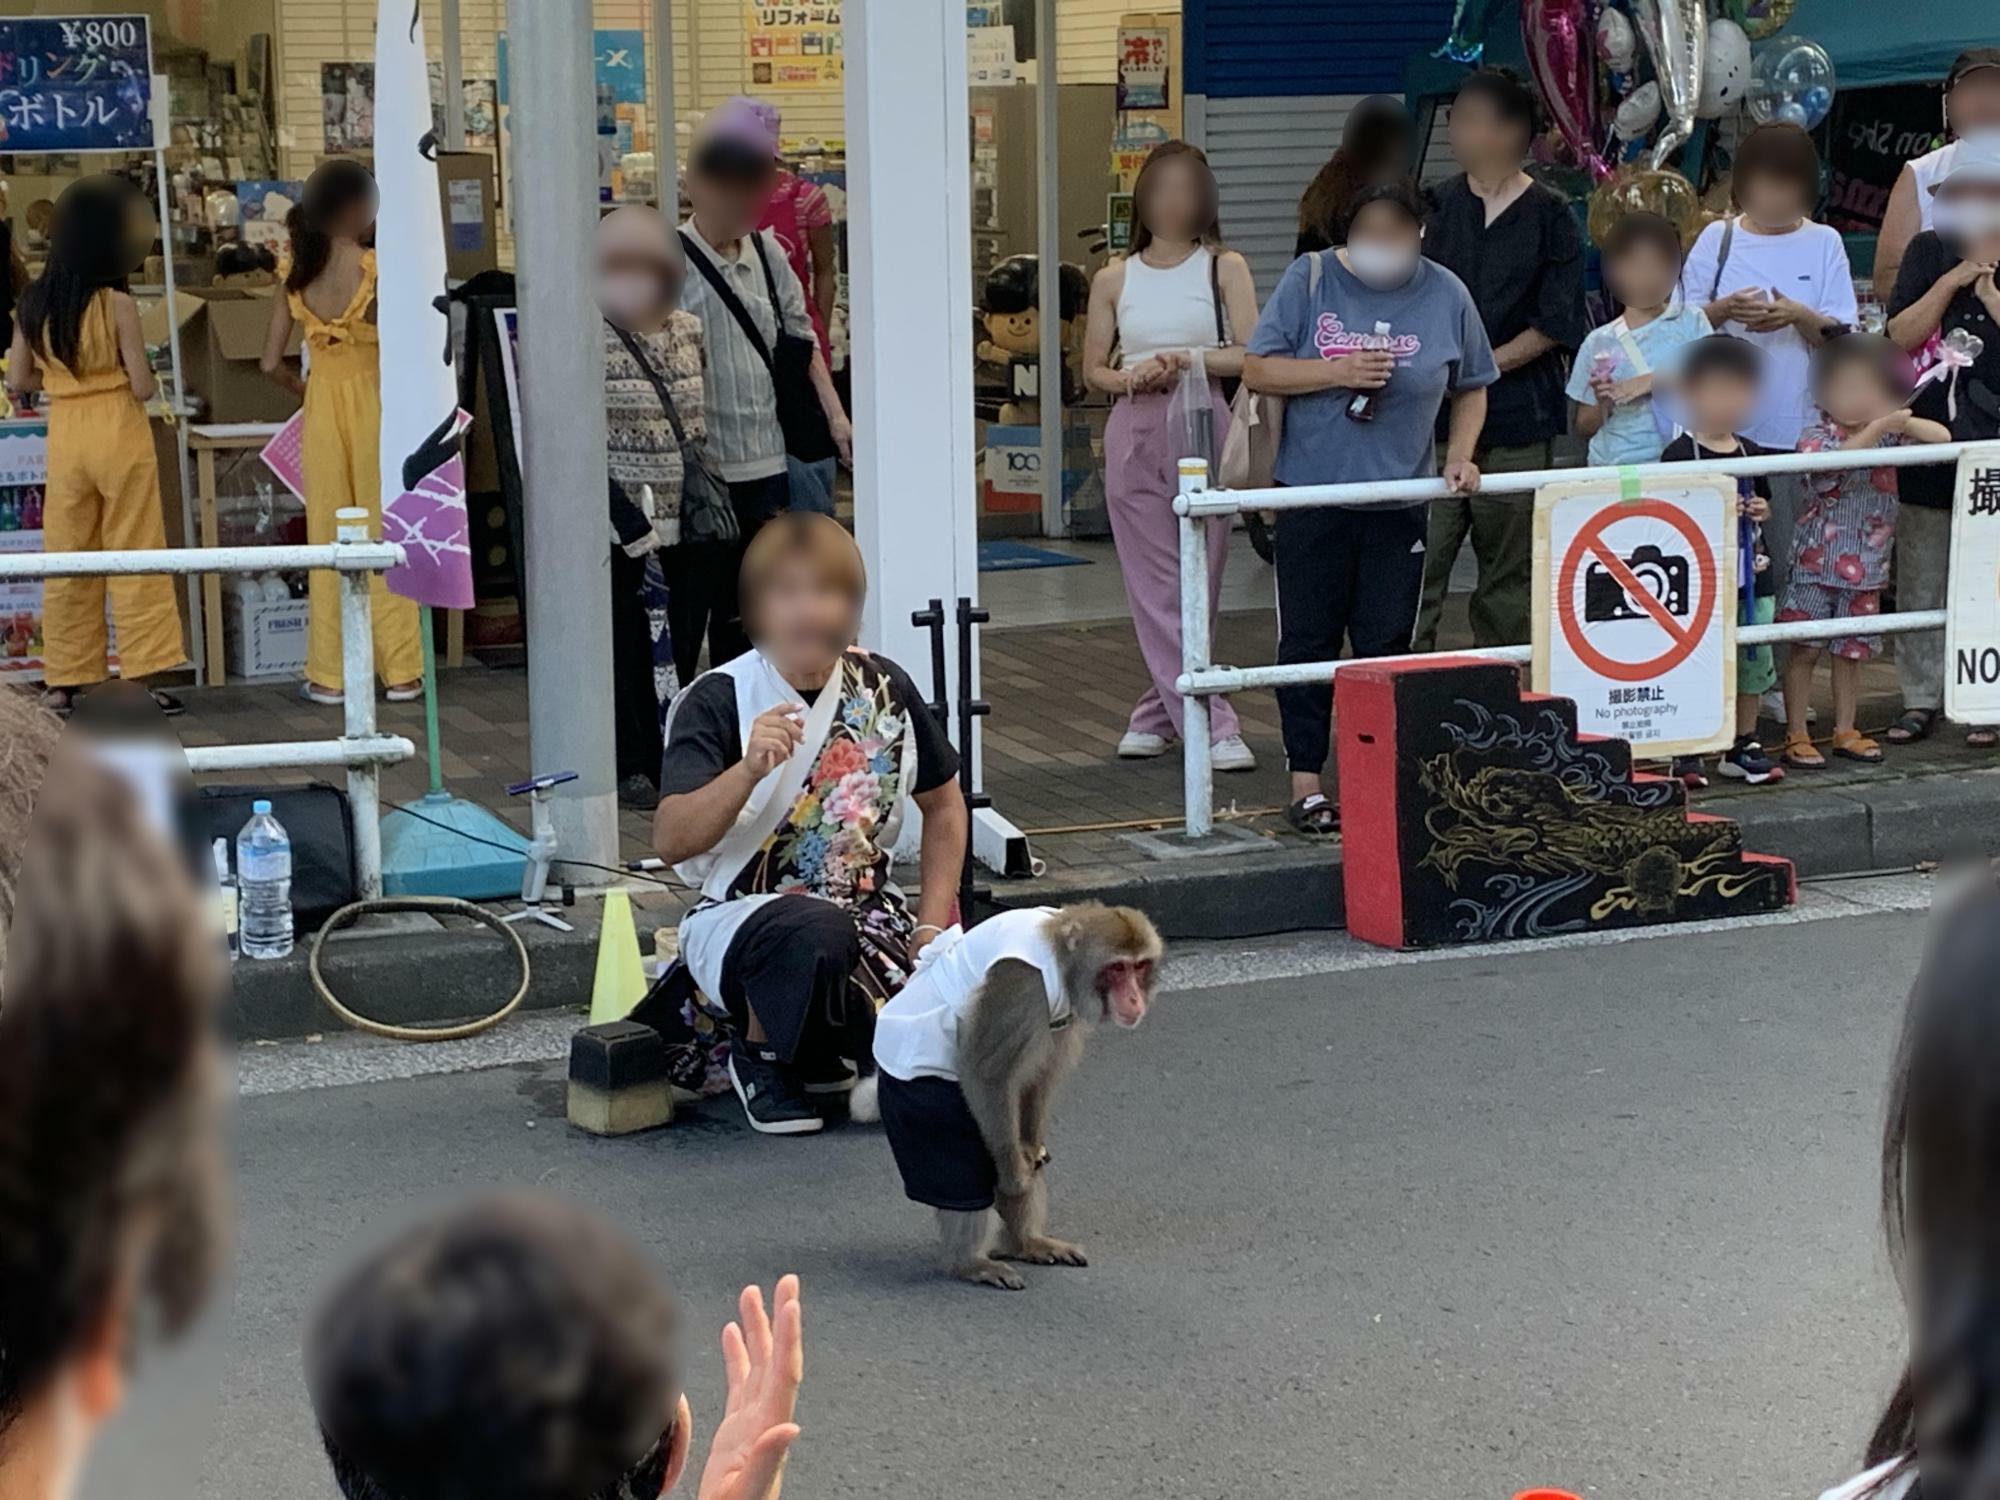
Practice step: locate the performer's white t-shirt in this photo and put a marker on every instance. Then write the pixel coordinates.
(916, 1035)
(1870, 1485)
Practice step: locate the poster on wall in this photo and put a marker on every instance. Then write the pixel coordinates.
(618, 60)
(76, 83)
(347, 105)
(264, 207)
(480, 105)
(1143, 53)
(794, 46)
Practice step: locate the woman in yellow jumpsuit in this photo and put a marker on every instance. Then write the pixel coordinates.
(330, 293)
(79, 340)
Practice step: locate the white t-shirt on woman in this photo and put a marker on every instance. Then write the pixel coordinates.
(1807, 264)
(1864, 1486)
(1171, 309)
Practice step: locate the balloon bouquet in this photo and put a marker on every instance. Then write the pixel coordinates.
(1659, 66)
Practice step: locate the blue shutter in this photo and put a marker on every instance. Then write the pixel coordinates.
(1262, 48)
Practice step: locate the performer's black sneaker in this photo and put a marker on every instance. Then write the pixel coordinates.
(833, 1075)
(772, 1100)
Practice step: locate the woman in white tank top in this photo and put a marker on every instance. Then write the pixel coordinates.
(1971, 103)
(1178, 293)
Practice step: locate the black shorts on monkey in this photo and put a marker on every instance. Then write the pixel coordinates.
(938, 1147)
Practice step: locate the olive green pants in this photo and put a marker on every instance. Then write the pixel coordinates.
(1502, 528)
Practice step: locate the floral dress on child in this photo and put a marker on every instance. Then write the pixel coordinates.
(1843, 542)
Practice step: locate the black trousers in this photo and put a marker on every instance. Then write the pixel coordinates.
(1345, 576)
(701, 581)
(635, 712)
(791, 964)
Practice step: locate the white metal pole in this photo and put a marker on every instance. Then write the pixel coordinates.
(454, 75)
(357, 665)
(1197, 779)
(179, 406)
(562, 408)
(666, 124)
(1048, 238)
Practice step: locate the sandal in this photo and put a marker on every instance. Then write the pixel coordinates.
(170, 706)
(1799, 752)
(1983, 738)
(1852, 744)
(60, 701)
(1316, 816)
(1914, 725)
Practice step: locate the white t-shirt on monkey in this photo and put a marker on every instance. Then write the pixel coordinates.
(916, 1035)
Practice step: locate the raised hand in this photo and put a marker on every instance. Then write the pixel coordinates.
(774, 734)
(764, 1357)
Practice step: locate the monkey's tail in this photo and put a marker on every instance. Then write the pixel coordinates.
(863, 1108)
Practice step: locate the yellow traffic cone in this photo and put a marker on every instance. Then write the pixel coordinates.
(620, 983)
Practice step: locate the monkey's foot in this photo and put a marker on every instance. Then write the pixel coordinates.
(1042, 1251)
(991, 1273)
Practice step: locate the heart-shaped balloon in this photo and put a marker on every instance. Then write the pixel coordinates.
(1559, 39)
(1676, 35)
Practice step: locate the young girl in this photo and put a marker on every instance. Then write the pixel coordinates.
(1846, 531)
(1612, 381)
(330, 289)
(1940, 1434)
(79, 340)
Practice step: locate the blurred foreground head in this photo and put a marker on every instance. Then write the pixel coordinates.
(111, 1204)
(1941, 1205)
(516, 1348)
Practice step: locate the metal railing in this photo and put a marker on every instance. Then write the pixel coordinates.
(361, 748)
(1197, 505)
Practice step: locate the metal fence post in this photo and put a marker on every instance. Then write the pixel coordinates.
(1197, 785)
(357, 664)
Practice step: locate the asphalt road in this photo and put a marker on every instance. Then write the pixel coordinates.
(1592, 1217)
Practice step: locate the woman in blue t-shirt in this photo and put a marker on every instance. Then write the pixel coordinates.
(1367, 343)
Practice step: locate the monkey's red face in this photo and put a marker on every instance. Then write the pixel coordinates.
(1127, 986)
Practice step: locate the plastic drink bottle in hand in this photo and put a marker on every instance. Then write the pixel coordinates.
(1362, 407)
(264, 884)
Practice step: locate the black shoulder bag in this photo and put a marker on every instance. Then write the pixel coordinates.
(706, 512)
(808, 436)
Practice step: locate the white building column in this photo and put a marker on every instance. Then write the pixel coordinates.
(909, 234)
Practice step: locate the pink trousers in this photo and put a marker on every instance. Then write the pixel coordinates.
(1141, 478)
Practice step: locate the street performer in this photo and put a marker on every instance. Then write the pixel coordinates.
(787, 778)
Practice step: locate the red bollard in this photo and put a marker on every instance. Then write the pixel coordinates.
(1547, 1495)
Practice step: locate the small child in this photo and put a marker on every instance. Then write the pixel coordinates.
(1719, 387)
(1846, 531)
(1612, 381)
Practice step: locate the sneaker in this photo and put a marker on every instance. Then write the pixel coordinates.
(1745, 761)
(1689, 772)
(1772, 707)
(834, 1076)
(637, 793)
(1231, 754)
(1138, 745)
(772, 1100)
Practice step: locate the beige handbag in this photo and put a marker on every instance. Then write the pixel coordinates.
(1257, 427)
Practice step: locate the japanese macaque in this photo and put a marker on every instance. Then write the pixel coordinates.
(970, 1054)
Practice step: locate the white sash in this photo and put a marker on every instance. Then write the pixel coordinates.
(759, 689)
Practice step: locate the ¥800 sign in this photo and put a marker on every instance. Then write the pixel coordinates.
(76, 83)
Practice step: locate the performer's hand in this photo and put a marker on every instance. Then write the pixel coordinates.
(774, 734)
(765, 1361)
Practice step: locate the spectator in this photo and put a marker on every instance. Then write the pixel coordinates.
(1971, 105)
(1376, 144)
(1623, 365)
(520, 1348)
(1846, 532)
(1718, 387)
(1516, 246)
(1941, 1212)
(652, 403)
(111, 1217)
(330, 291)
(1367, 343)
(1945, 287)
(732, 170)
(787, 777)
(78, 338)
(1177, 292)
(800, 216)
(1769, 274)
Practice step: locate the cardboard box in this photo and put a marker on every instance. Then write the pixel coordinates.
(223, 330)
(262, 638)
(466, 198)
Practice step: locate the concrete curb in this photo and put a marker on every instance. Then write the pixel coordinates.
(1280, 885)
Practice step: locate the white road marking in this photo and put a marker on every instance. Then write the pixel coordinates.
(341, 1059)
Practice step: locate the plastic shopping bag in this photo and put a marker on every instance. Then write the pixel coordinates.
(1191, 414)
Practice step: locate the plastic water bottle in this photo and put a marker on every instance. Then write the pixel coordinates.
(264, 884)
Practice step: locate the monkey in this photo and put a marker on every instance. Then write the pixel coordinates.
(969, 1054)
